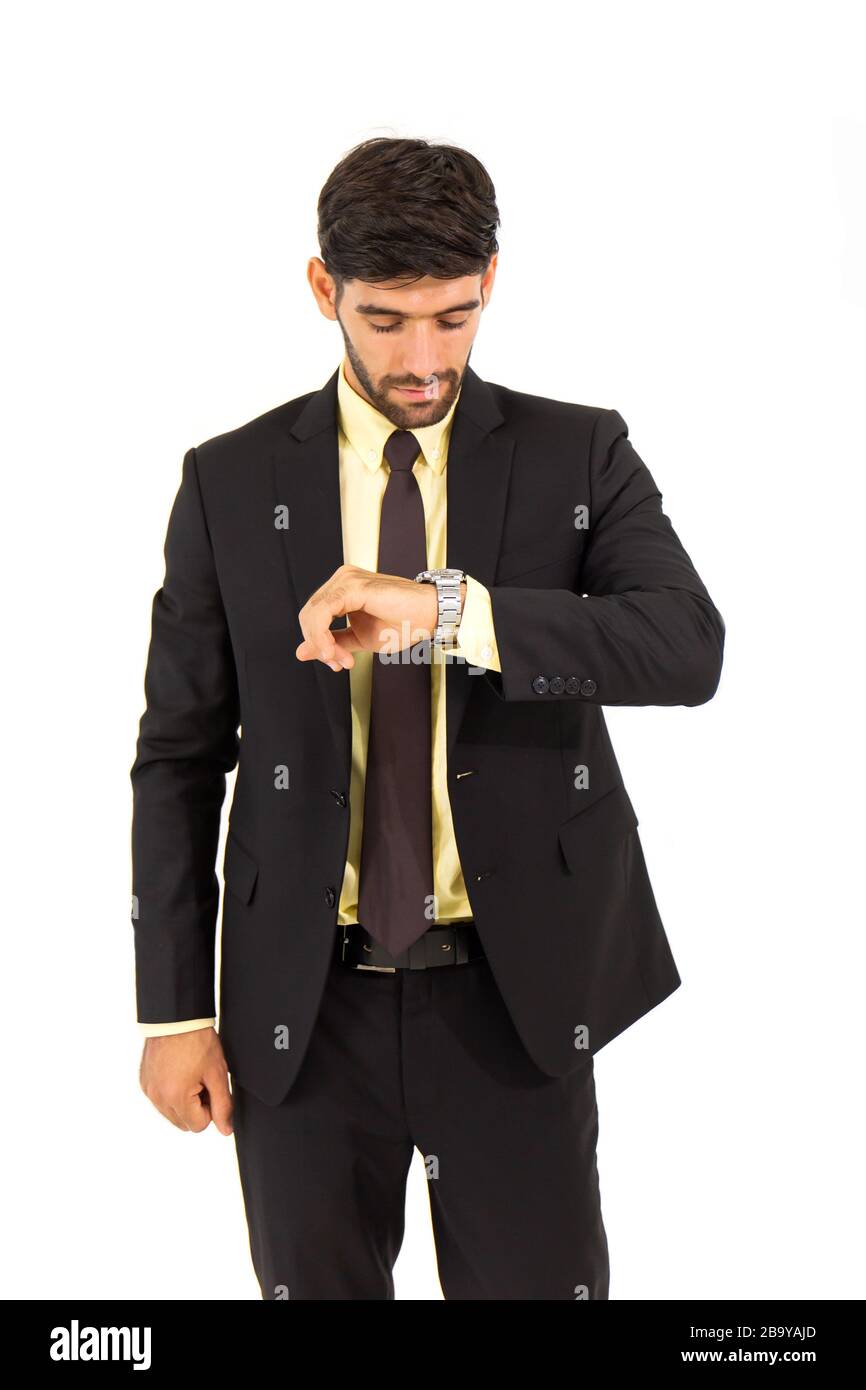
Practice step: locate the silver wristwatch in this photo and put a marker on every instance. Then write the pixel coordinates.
(448, 589)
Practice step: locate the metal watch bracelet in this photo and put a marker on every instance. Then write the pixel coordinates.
(447, 583)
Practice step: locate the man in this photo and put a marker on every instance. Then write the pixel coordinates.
(413, 592)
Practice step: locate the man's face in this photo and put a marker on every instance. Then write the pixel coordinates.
(407, 344)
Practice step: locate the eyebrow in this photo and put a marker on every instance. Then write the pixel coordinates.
(378, 310)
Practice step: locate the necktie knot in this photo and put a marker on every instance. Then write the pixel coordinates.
(401, 450)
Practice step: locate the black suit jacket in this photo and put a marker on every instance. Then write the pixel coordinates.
(611, 612)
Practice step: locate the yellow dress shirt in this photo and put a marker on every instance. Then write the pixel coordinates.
(363, 432)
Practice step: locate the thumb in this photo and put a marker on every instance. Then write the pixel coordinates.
(220, 1101)
(347, 640)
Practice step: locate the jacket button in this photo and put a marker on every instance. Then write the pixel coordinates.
(588, 687)
(330, 897)
(339, 797)
(540, 685)
(557, 685)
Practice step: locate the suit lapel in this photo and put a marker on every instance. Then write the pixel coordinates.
(307, 482)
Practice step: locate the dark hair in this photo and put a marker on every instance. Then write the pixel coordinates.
(396, 208)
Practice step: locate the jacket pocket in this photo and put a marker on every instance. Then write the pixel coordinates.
(240, 870)
(585, 836)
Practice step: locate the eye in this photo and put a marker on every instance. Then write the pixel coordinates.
(449, 327)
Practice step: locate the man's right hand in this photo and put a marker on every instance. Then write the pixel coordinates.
(186, 1078)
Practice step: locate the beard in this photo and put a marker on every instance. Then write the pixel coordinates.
(403, 413)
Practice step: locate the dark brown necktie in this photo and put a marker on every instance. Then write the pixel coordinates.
(395, 893)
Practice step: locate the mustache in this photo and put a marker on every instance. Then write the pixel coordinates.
(436, 378)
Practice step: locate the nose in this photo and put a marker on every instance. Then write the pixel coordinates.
(420, 355)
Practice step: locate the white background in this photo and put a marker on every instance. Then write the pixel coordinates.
(683, 223)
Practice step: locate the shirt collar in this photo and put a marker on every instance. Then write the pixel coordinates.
(367, 429)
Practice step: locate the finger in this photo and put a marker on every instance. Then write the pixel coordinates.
(339, 660)
(334, 665)
(315, 619)
(334, 599)
(196, 1114)
(171, 1114)
(317, 648)
(165, 1108)
(306, 651)
(184, 1108)
(347, 642)
(220, 1099)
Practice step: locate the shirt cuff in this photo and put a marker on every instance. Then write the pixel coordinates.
(476, 636)
(161, 1030)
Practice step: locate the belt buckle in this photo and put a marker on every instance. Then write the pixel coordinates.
(356, 965)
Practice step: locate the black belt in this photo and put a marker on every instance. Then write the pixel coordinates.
(446, 945)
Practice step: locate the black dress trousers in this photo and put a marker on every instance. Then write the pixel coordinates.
(426, 1059)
